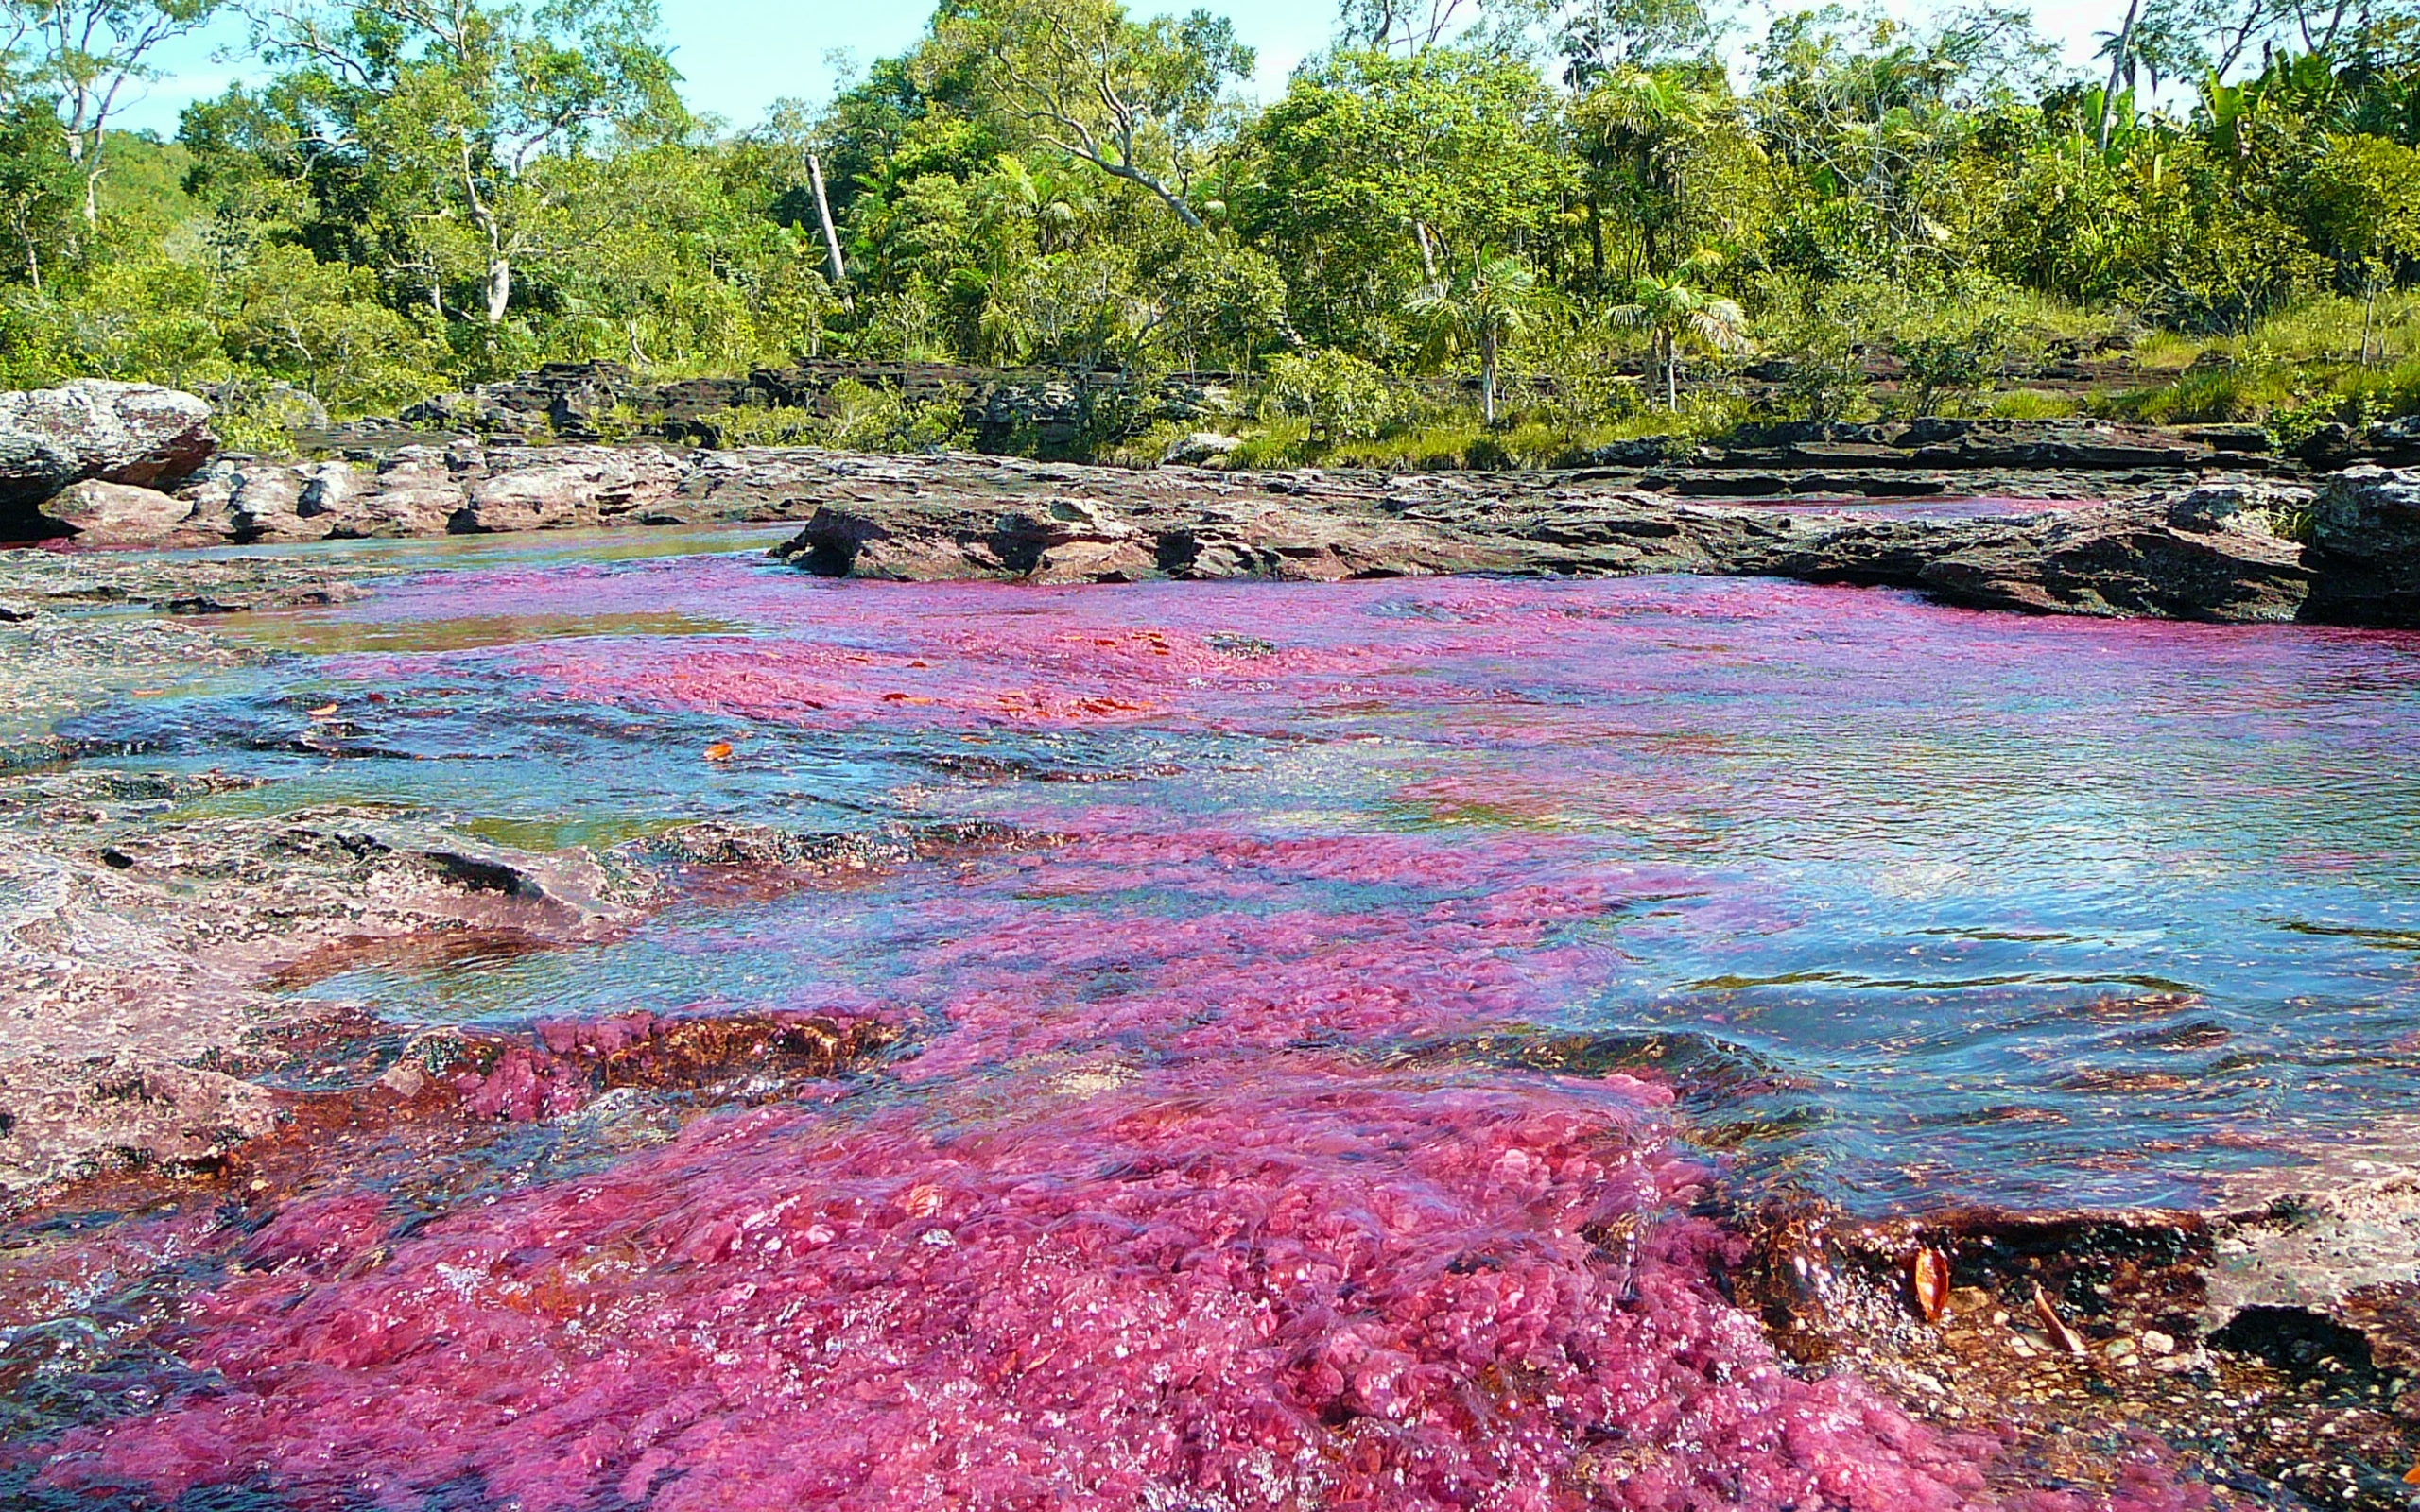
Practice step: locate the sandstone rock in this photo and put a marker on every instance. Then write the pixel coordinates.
(2258, 507)
(416, 492)
(328, 488)
(1067, 540)
(1199, 448)
(2365, 548)
(544, 490)
(266, 505)
(2117, 563)
(2235, 439)
(133, 433)
(64, 1117)
(118, 514)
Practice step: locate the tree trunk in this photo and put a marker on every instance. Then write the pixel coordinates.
(1487, 375)
(1597, 242)
(2369, 314)
(78, 155)
(1428, 249)
(2117, 72)
(831, 236)
(499, 288)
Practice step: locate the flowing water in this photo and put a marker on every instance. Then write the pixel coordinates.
(1307, 1087)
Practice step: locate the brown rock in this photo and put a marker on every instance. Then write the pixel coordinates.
(117, 514)
(576, 486)
(135, 433)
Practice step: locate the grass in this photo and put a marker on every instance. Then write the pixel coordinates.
(2292, 398)
(2032, 404)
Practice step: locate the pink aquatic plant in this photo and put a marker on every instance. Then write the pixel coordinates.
(1319, 1289)
(1162, 1202)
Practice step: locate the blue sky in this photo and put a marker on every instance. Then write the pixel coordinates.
(739, 56)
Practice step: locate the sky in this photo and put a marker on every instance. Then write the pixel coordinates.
(740, 56)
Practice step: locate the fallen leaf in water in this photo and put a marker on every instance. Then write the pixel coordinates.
(326, 711)
(2065, 1337)
(718, 751)
(1930, 1276)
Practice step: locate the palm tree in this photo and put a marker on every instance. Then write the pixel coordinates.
(1679, 317)
(1498, 301)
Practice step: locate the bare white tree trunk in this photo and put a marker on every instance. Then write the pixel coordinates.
(1487, 374)
(499, 288)
(831, 233)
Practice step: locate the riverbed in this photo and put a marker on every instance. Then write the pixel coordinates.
(1289, 1045)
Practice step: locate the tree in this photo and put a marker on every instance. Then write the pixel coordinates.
(1136, 100)
(2362, 199)
(39, 188)
(1679, 317)
(2121, 52)
(1376, 173)
(441, 109)
(1493, 304)
(1407, 27)
(84, 56)
(1641, 131)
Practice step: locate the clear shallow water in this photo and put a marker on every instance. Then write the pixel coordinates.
(2020, 910)
(1242, 1088)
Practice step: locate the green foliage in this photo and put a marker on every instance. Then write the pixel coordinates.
(1344, 398)
(855, 417)
(1951, 367)
(408, 199)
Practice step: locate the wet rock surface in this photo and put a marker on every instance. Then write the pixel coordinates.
(2365, 548)
(2075, 1330)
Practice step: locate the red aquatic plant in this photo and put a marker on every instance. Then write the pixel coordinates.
(1319, 1289)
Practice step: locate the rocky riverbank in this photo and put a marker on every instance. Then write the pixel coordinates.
(2241, 551)
(2194, 526)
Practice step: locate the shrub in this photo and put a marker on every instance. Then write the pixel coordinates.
(1344, 398)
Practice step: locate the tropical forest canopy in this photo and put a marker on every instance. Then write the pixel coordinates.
(427, 194)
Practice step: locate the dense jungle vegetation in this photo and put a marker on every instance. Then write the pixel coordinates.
(1596, 211)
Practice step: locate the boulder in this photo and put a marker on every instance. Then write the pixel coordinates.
(2117, 562)
(118, 514)
(2260, 508)
(2397, 441)
(416, 492)
(1199, 448)
(2365, 548)
(132, 434)
(572, 485)
(266, 505)
(1067, 540)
